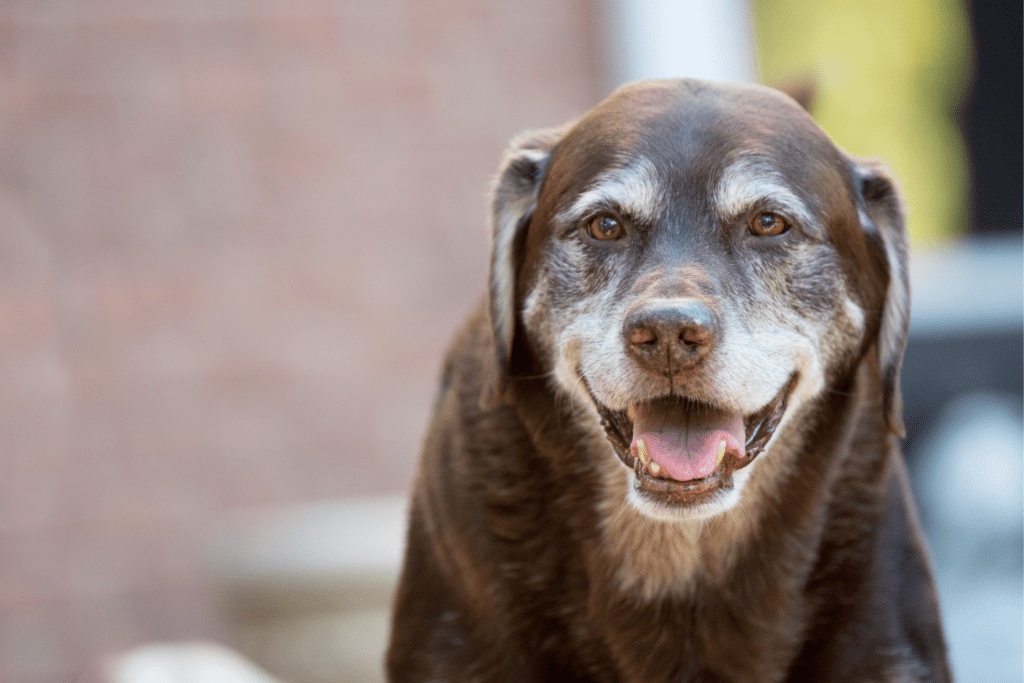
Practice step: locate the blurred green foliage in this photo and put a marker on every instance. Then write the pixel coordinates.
(889, 76)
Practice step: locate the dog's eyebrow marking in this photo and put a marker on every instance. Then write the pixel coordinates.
(753, 179)
(633, 189)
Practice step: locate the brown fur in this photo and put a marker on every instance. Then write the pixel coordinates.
(535, 554)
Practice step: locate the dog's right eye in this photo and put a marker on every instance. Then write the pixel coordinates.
(605, 228)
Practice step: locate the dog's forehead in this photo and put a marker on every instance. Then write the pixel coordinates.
(683, 136)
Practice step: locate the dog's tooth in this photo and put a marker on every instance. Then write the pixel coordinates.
(641, 448)
(655, 468)
(721, 451)
(631, 412)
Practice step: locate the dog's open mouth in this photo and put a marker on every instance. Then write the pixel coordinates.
(682, 450)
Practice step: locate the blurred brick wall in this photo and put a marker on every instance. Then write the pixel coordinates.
(234, 241)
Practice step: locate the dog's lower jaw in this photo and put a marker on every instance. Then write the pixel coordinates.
(710, 504)
(713, 499)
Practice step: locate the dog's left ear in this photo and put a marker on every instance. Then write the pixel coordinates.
(887, 232)
(514, 199)
(803, 90)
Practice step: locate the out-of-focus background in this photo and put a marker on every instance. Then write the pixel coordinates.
(235, 238)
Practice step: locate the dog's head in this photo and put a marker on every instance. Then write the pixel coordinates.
(698, 261)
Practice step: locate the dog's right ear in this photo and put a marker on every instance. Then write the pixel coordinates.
(514, 199)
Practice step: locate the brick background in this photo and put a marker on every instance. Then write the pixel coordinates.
(234, 241)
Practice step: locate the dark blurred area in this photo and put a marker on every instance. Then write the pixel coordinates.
(235, 239)
(991, 118)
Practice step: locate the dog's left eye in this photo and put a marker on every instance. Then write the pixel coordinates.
(605, 228)
(768, 224)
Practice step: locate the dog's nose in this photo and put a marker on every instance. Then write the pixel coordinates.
(670, 335)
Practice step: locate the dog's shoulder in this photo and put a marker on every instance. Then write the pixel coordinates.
(877, 607)
(483, 544)
(468, 427)
(446, 569)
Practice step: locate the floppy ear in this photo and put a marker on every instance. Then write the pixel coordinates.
(887, 232)
(514, 199)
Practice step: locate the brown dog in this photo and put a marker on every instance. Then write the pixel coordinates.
(666, 448)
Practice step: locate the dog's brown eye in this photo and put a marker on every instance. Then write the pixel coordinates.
(605, 228)
(768, 224)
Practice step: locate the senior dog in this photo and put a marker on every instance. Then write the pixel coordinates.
(665, 448)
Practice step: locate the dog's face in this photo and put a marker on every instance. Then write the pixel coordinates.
(696, 262)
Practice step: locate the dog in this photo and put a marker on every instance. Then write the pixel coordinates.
(665, 446)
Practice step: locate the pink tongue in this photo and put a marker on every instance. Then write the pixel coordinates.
(686, 443)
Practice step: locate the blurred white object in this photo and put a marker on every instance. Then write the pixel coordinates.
(361, 536)
(309, 588)
(330, 647)
(972, 495)
(674, 38)
(971, 472)
(967, 287)
(198, 662)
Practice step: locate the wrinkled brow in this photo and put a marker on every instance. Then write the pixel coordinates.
(632, 189)
(752, 180)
